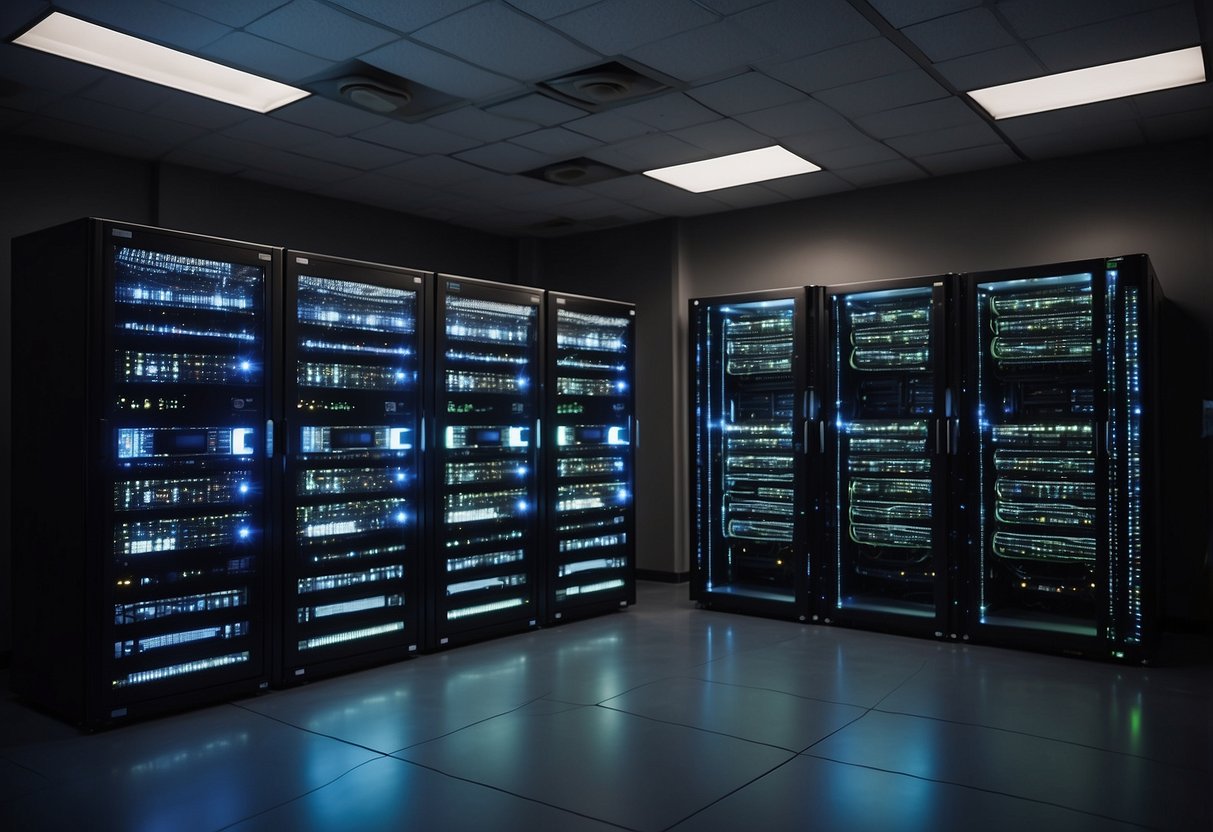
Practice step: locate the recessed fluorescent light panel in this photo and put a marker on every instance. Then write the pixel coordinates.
(1096, 83)
(70, 37)
(736, 169)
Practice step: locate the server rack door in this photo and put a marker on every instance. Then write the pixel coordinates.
(748, 400)
(483, 577)
(889, 438)
(1047, 497)
(186, 346)
(355, 358)
(589, 506)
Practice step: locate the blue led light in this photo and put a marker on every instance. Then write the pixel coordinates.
(401, 517)
(621, 386)
(623, 494)
(246, 365)
(244, 488)
(521, 470)
(400, 375)
(523, 381)
(399, 476)
(522, 505)
(244, 532)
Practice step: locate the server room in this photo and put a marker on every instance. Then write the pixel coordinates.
(606, 414)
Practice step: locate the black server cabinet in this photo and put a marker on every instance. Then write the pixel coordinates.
(891, 434)
(141, 420)
(354, 378)
(483, 565)
(753, 427)
(1063, 379)
(590, 427)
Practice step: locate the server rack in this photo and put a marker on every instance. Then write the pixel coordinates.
(891, 434)
(752, 420)
(589, 458)
(1063, 373)
(356, 350)
(141, 529)
(483, 569)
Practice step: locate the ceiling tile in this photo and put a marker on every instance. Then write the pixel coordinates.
(160, 133)
(151, 20)
(490, 35)
(904, 12)
(666, 199)
(986, 69)
(407, 16)
(273, 133)
(193, 159)
(264, 57)
(1074, 142)
(794, 27)
(956, 35)
(415, 138)
(947, 139)
(864, 153)
(202, 112)
(667, 112)
(608, 127)
(11, 118)
(969, 158)
(330, 116)
(442, 72)
(477, 124)
(1172, 126)
(554, 195)
(504, 157)
(38, 70)
(129, 93)
(351, 153)
(547, 9)
(722, 136)
(731, 6)
(1162, 30)
(99, 139)
(748, 196)
(645, 152)
(706, 52)
(616, 26)
(1088, 118)
(219, 146)
(1175, 100)
(1033, 18)
(789, 119)
(823, 141)
(885, 93)
(847, 64)
(17, 15)
(919, 118)
(810, 185)
(437, 171)
(556, 141)
(882, 173)
(537, 109)
(236, 13)
(374, 189)
(310, 26)
(745, 93)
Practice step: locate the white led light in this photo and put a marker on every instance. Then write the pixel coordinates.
(736, 169)
(89, 43)
(1096, 83)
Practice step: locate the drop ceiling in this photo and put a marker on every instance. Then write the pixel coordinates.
(870, 90)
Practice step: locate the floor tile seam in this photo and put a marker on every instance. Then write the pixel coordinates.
(698, 729)
(805, 697)
(901, 684)
(730, 793)
(505, 791)
(1074, 743)
(472, 724)
(837, 730)
(297, 797)
(971, 787)
(312, 731)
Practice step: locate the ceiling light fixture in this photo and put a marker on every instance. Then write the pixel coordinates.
(1096, 83)
(79, 40)
(735, 169)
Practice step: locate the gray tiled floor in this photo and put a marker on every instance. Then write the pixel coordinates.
(660, 717)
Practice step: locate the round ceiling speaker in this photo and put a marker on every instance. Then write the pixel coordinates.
(565, 174)
(375, 97)
(603, 87)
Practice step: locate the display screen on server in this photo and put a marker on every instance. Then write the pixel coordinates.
(488, 401)
(885, 368)
(592, 454)
(353, 465)
(746, 418)
(188, 429)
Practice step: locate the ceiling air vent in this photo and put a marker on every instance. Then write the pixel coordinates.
(607, 85)
(579, 171)
(370, 88)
